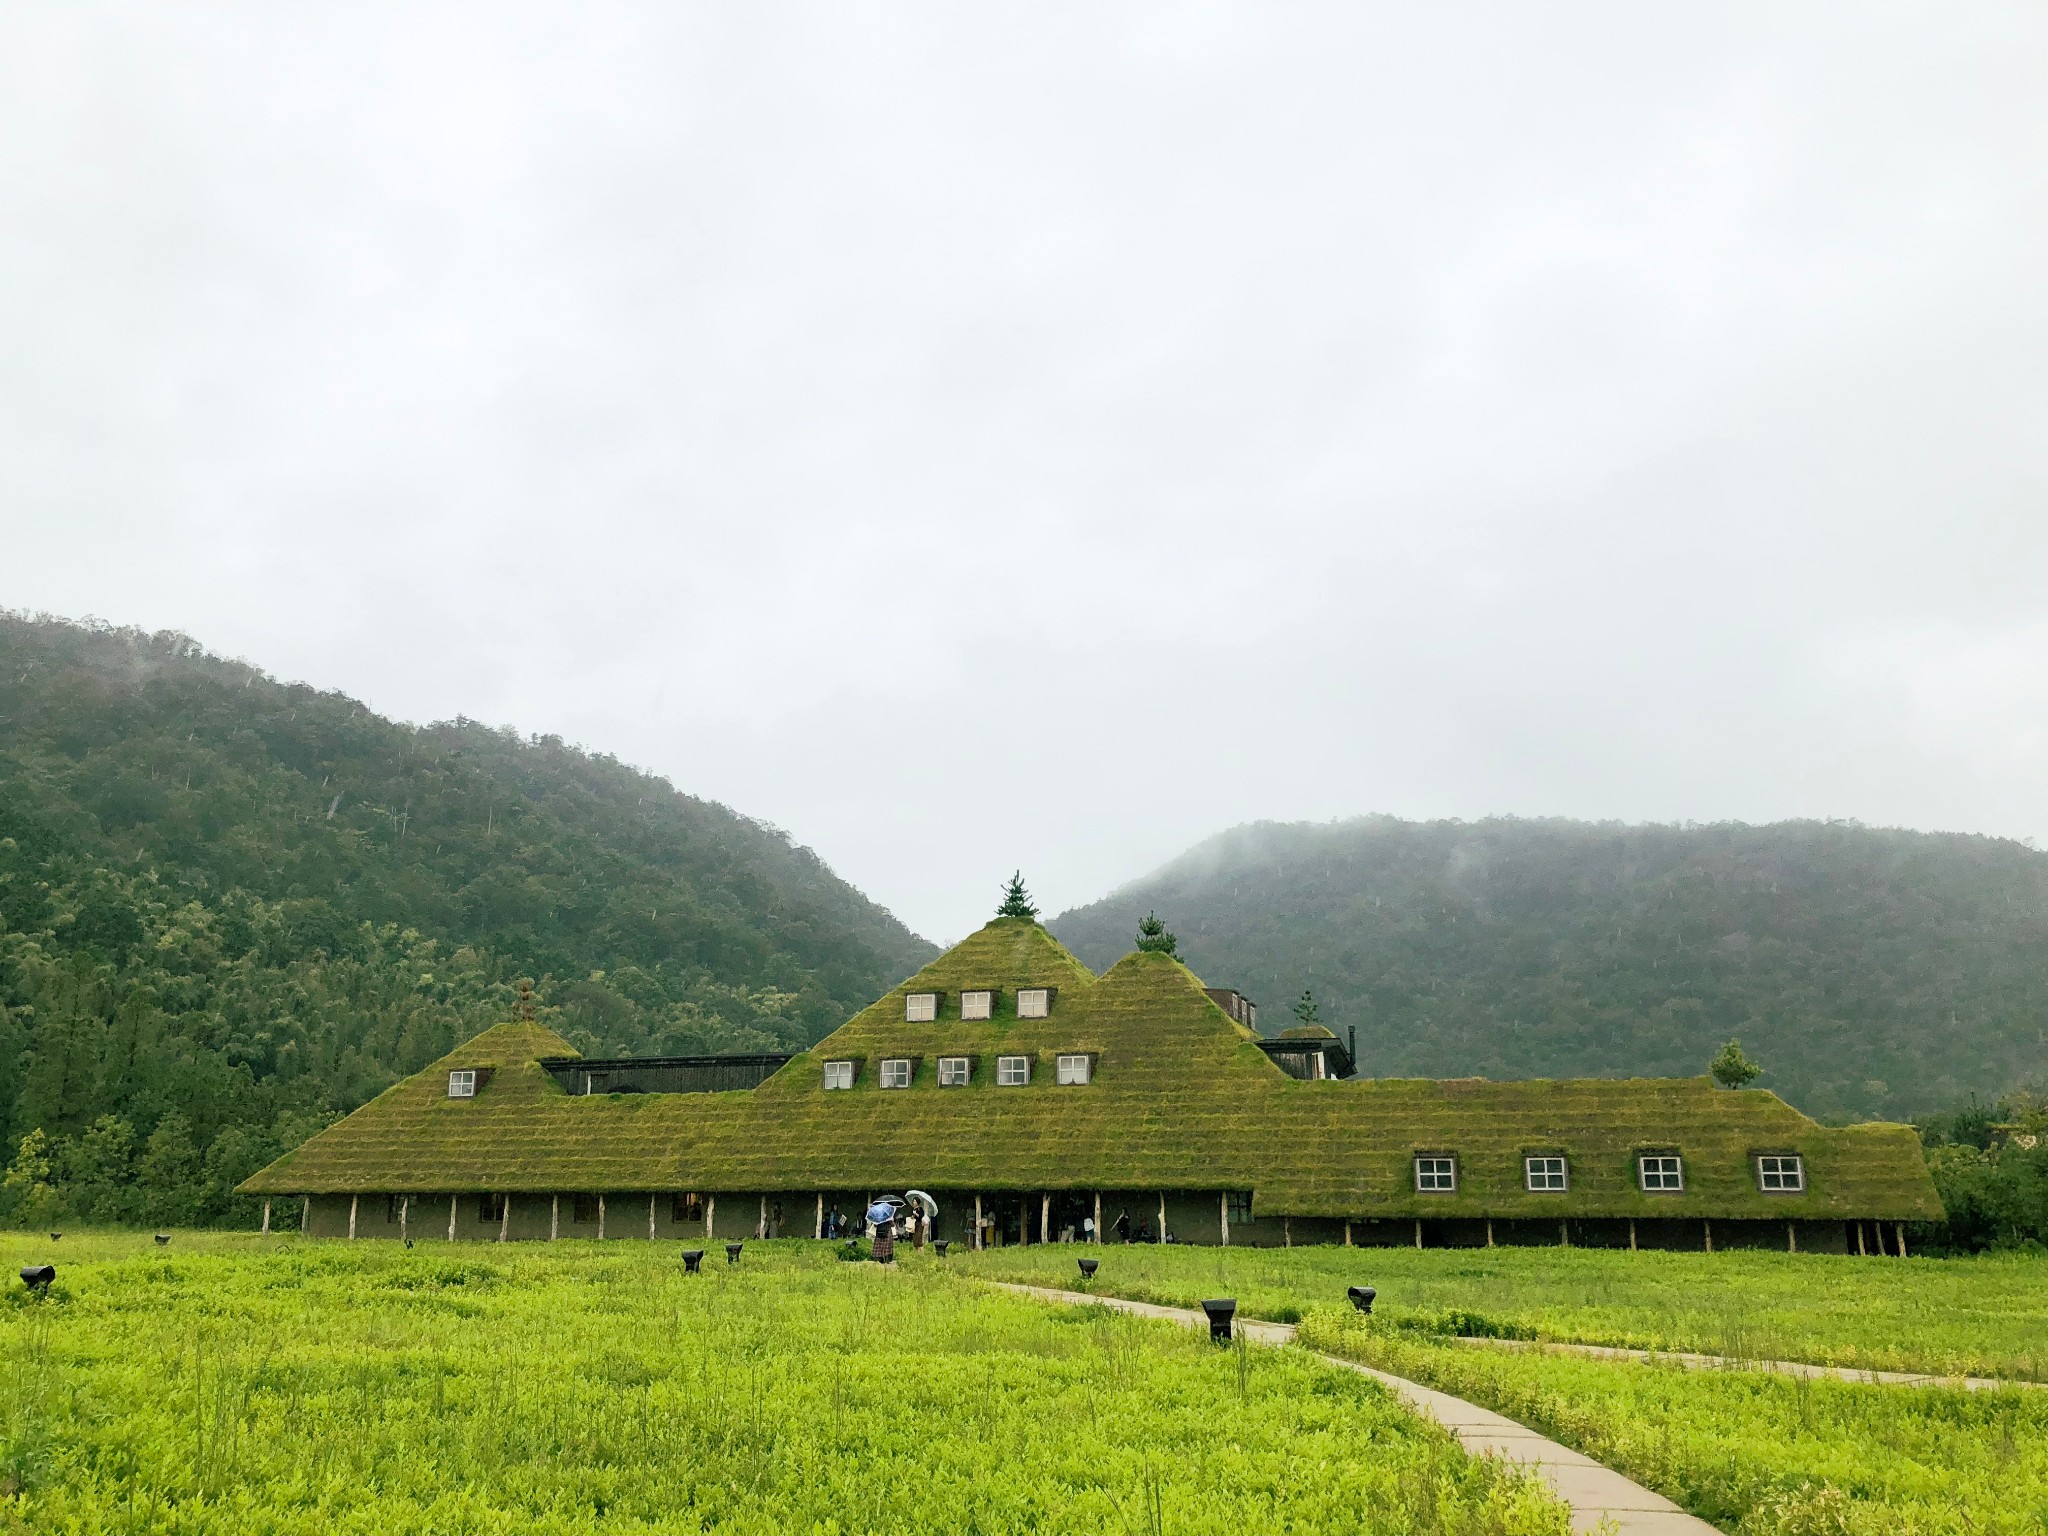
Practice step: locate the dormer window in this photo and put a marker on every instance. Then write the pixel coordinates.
(1545, 1175)
(1033, 1002)
(1075, 1070)
(920, 1007)
(896, 1072)
(1436, 1175)
(977, 1005)
(955, 1071)
(1661, 1173)
(1013, 1071)
(1781, 1174)
(462, 1084)
(838, 1074)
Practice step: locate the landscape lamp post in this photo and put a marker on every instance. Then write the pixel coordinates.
(1220, 1311)
(1362, 1297)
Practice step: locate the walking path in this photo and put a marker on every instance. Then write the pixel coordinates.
(1729, 1363)
(1595, 1493)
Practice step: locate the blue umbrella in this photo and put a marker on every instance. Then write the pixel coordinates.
(881, 1213)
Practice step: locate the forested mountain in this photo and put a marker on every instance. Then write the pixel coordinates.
(231, 908)
(1871, 972)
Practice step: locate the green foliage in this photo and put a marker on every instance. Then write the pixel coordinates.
(231, 910)
(1883, 972)
(576, 1388)
(1153, 939)
(1732, 1069)
(1305, 1011)
(1016, 900)
(27, 1197)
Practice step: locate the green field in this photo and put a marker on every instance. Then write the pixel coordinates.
(233, 1384)
(1764, 1454)
(1983, 1316)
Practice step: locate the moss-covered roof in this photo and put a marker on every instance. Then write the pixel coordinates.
(1181, 1097)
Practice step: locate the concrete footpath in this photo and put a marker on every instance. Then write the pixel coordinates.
(1798, 1368)
(1596, 1494)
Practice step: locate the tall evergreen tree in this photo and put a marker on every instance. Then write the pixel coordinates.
(1016, 900)
(1154, 939)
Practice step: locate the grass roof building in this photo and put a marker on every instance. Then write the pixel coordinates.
(1039, 1101)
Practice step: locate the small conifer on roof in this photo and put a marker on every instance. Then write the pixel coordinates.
(1016, 900)
(1731, 1068)
(1153, 937)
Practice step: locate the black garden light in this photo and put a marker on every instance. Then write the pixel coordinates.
(54, 1236)
(162, 1238)
(941, 1244)
(1088, 1268)
(1361, 1297)
(732, 1252)
(1220, 1311)
(693, 1259)
(37, 1277)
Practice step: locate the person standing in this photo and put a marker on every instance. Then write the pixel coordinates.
(1123, 1226)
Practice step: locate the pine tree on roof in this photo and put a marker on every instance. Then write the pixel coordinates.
(1016, 900)
(1306, 1010)
(1153, 937)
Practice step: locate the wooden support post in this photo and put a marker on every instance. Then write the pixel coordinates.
(1564, 1233)
(600, 1218)
(650, 1218)
(306, 1217)
(505, 1217)
(451, 1216)
(1489, 1231)
(1223, 1210)
(761, 1224)
(1286, 1231)
(818, 1227)
(352, 1199)
(405, 1218)
(710, 1214)
(1162, 1216)
(1707, 1223)
(1631, 1234)
(1347, 1234)
(1861, 1251)
(1791, 1239)
(1098, 1216)
(1418, 1231)
(555, 1217)
(977, 1223)
(1045, 1218)
(266, 1219)
(1900, 1228)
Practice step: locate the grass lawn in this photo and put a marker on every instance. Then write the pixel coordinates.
(1980, 1316)
(1763, 1454)
(228, 1383)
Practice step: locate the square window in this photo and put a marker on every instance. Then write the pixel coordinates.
(462, 1085)
(1545, 1173)
(1013, 1071)
(954, 1071)
(1074, 1069)
(1436, 1175)
(490, 1208)
(1033, 1002)
(920, 1007)
(1240, 1204)
(838, 1074)
(896, 1072)
(1661, 1173)
(1783, 1174)
(585, 1210)
(977, 1005)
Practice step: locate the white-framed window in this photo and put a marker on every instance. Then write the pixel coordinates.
(838, 1074)
(1013, 1071)
(1436, 1175)
(1661, 1173)
(462, 1084)
(1032, 1002)
(1074, 1069)
(955, 1071)
(920, 1007)
(1781, 1173)
(896, 1072)
(977, 1005)
(1545, 1174)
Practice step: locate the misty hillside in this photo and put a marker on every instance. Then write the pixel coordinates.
(1872, 972)
(225, 900)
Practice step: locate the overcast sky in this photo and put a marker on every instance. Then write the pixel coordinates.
(974, 437)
